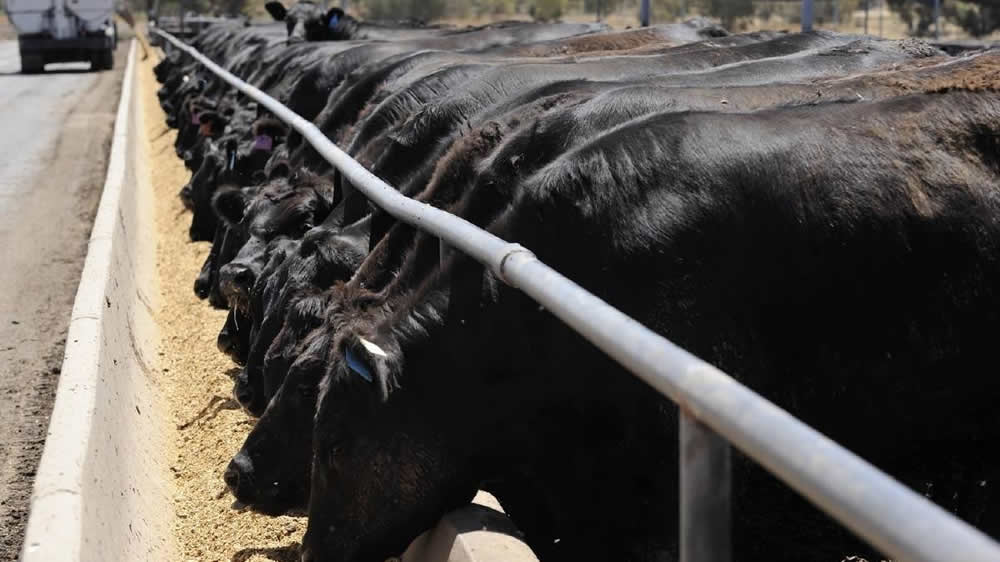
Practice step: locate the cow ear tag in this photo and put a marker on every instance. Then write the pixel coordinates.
(372, 348)
(263, 142)
(334, 20)
(358, 366)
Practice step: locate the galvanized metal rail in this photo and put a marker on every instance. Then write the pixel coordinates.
(715, 408)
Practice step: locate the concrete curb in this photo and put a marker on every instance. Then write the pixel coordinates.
(97, 483)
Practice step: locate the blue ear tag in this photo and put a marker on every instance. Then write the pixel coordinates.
(358, 366)
(232, 160)
(334, 20)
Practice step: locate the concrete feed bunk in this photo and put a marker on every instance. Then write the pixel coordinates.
(143, 425)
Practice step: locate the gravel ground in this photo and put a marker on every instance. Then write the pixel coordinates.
(209, 427)
(56, 136)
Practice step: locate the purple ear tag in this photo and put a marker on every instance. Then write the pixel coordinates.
(195, 118)
(263, 142)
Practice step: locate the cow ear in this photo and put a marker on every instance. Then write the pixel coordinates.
(229, 204)
(277, 10)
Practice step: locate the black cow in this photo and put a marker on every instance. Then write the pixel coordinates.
(725, 233)
(535, 144)
(307, 21)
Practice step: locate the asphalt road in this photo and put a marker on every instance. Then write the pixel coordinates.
(54, 142)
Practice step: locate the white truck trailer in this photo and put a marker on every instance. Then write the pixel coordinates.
(64, 31)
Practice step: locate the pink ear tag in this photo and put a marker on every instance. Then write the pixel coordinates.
(195, 118)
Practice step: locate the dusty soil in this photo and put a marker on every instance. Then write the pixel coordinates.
(57, 133)
(209, 427)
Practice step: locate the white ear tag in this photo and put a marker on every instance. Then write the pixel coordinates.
(372, 348)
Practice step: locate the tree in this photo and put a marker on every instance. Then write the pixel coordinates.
(548, 10)
(728, 10)
(424, 10)
(976, 17)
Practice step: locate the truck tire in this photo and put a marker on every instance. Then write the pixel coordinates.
(32, 63)
(102, 60)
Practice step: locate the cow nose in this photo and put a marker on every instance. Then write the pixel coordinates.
(232, 477)
(244, 396)
(238, 469)
(225, 342)
(202, 286)
(187, 197)
(236, 279)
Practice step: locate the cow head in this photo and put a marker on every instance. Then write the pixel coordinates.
(307, 21)
(270, 474)
(197, 194)
(265, 320)
(279, 449)
(285, 208)
(383, 469)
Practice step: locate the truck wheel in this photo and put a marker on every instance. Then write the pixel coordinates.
(32, 63)
(108, 59)
(102, 60)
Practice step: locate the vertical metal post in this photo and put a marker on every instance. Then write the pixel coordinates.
(180, 21)
(644, 13)
(836, 13)
(937, 19)
(866, 16)
(706, 486)
(807, 15)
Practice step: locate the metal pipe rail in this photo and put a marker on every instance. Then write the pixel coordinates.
(896, 520)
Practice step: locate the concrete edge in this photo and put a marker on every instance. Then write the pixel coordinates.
(479, 532)
(55, 531)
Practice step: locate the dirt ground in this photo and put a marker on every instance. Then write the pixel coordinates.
(57, 133)
(209, 427)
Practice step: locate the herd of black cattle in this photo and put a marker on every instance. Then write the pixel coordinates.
(817, 214)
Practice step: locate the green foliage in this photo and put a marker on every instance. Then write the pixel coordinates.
(425, 10)
(604, 6)
(493, 7)
(728, 10)
(548, 10)
(977, 17)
